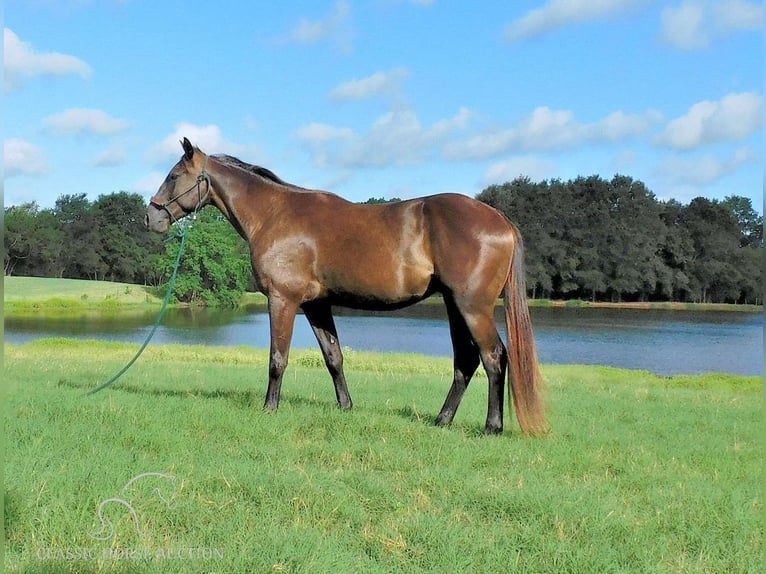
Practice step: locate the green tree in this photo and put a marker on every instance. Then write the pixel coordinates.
(125, 247)
(750, 223)
(677, 252)
(715, 234)
(378, 200)
(215, 266)
(81, 256)
(32, 240)
(635, 234)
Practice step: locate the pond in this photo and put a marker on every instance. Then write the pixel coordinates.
(663, 342)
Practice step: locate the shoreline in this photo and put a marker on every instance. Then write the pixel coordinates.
(24, 296)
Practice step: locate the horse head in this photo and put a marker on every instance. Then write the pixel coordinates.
(186, 190)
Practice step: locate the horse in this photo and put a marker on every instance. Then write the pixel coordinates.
(312, 250)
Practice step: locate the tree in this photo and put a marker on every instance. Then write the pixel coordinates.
(676, 251)
(590, 237)
(81, 256)
(716, 236)
(750, 223)
(125, 246)
(379, 200)
(215, 266)
(33, 241)
(749, 258)
(635, 235)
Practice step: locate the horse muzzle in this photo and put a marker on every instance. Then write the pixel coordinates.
(156, 219)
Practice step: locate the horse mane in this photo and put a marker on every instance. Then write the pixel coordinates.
(254, 169)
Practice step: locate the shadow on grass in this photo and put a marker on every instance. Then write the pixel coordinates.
(411, 414)
(247, 398)
(254, 399)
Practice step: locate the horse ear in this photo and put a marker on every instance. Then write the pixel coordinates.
(188, 148)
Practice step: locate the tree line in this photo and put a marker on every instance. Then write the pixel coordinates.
(613, 240)
(587, 238)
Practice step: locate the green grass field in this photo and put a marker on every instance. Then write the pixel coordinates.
(30, 293)
(639, 474)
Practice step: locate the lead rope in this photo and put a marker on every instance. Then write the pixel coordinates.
(203, 176)
(166, 300)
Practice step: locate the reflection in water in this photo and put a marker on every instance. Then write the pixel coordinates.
(664, 342)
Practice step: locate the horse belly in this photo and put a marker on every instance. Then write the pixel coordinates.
(378, 283)
(388, 274)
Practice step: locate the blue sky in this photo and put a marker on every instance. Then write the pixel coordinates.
(385, 97)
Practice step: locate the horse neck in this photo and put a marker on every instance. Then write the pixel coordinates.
(246, 200)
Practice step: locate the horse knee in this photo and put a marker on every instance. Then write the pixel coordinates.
(277, 365)
(495, 360)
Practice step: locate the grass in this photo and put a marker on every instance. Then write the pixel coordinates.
(23, 295)
(640, 473)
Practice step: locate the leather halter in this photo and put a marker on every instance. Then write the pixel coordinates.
(203, 176)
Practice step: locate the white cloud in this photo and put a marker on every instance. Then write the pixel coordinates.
(702, 170)
(85, 121)
(111, 157)
(313, 31)
(318, 133)
(374, 85)
(535, 168)
(735, 15)
(694, 24)
(459, 121)
(619, 126)
(560, 13)
(324, 141)
(733, 117)
(22, 62)
(208, 138)
(546, 129)
(395, 138)
(150, 183)
(23, 158)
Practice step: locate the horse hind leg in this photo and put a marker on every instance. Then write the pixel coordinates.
(322, 323)
(494, 358)
(466, 361)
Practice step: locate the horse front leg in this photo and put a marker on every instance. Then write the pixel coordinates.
(281, 321)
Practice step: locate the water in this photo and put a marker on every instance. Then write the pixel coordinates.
(663, 342)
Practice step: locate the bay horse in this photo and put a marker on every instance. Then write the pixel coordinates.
(311, 250)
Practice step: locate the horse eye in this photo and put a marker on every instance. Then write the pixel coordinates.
(173, 176)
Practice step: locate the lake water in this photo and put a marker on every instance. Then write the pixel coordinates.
(664, 342)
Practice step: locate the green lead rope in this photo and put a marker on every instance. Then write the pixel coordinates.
(168, 294)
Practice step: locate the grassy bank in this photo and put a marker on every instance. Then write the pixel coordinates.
(39, 294)
(34, 294)
(640, 473)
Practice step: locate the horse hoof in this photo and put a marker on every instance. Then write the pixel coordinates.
(493, 430)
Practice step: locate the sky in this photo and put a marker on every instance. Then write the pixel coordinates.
(385, 98)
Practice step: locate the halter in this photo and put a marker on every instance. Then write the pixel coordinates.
(203, 176)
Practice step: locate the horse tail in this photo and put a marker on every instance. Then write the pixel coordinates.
(525, 380)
